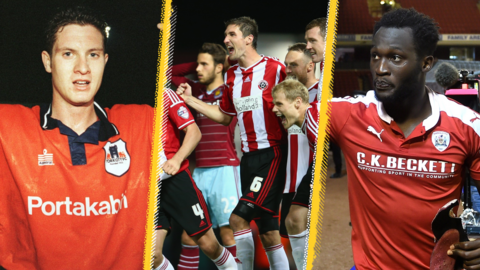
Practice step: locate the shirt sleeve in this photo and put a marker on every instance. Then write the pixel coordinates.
(312, 122)
(226, 104)
(178, 77)
(474, 158)
(340, 109)
(178, 111)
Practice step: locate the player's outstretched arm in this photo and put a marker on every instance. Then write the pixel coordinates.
(211, 111)
(192, 138)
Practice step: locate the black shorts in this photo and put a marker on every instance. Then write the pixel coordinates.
(262, 174)
(286, 203)
(181, 200)
(304, 190)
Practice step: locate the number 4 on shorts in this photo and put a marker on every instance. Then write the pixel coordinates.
(197, 210)
(256, 184)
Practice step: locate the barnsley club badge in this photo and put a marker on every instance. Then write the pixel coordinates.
(183, 112)
(440, 140)
(117, 159)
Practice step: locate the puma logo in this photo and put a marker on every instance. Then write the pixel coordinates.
(371, 129)
(476, 118)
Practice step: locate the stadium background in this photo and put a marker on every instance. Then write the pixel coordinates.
(130, 76)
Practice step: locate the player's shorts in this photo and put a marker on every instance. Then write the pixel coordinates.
(263, 180)
(181, 200)
(302, 197)
(286, 203)
(221, 189)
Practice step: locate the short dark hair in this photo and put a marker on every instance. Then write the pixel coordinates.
(300, 47)
(247, 26)
(74, 15)
(217, 52)
(320, 23)
(424, 29)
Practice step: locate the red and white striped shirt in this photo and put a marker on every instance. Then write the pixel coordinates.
(299, 154)
(249, 96)
(176, 117)
(310, 124)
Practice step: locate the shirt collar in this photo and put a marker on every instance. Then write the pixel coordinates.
(428, 123)
(256, 63)
(107, 129)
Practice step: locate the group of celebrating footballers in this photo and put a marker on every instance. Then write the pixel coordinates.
(237, 87)
(74, 194)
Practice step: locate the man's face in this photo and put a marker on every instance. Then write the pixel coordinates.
(315, 44)
(296, 63)
(77, 64)
(235, 41)
(285, 109)
(395, 67)
(206, 68)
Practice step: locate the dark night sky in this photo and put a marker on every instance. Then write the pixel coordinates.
(130, 75)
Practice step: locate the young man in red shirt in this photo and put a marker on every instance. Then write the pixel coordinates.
(406, 147)
(74, 175)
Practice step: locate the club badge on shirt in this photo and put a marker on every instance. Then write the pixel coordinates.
(183, 112)
(218, 93)
(262, 85)
(440, 140)
(117, 159)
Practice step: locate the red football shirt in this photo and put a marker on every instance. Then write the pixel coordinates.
(217, 147)
(178, 118)
(178, 77)
(396, 185)
(56, 215)
(310, 124)
(249, 97)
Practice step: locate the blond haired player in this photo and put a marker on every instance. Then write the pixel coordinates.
(262, 168)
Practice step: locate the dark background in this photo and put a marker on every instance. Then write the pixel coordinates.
(203, 21)
(130, 74)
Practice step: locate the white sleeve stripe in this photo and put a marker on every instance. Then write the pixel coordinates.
(176, 103)
(464, 114)
(311, 121)
(279, 68)
(313, 127)
(173, 97)
(229, 113)
(181, 127)
(313, 131)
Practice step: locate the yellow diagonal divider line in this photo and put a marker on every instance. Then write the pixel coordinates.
(321, 153)
(162, 80)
